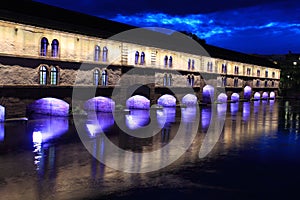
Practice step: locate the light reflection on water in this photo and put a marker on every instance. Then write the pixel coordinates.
(66, 170)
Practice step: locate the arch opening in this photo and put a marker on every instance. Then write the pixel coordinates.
(189, 100)
(138, 102)
(167, 100)
(208, 94)
(235, 97)
(222, 98)
(100, 104)
(48, 106)
(247, 92)
(256, 96)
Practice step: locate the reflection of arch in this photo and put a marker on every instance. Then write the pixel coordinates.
(247, 92)
(100, 104)
(137, 119)
(256, 96)
(2, 114)
(208, 94)
(272, 95)
(235, 97)
(189, 100)
(222, 98)
(167, 100)
(138, 102)
(265, 95)
(49, 106)
(99, 122)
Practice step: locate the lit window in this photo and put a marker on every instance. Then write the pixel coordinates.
(258, 72)
(53, 76)
(209, 66)
(166, 61)
(236, 70)
(97, 53)
(188, 80)
(104, 56)
(96, 77)
(248, 71)
(224, 81)
(224, 68)
(44, 46)
(170, 80)
(142, 58)
(193, 64)
(189, 64)
(192, 80)
(54, 48)
(104, 78)
(165, 80)
(170, 61)
(43, 75)
(136, 58)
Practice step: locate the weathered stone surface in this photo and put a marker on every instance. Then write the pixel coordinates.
(100, 104)
(138, 102)
(167, 101)
(17, 75)
(189, 100)
(2, 113)
(49, 106)
(222, 98)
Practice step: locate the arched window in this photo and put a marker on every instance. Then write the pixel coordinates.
(53, 76)
(104, 78)
(224, 81)
(209, 66)
(224, 68)
(136, 58)
(188, 80)
(96, 77)
(248, 71)
(236, 82)
(192, 80)
(43, 75)
(189, 64)
(273, 83)
(266, 74)
(166, 61)
(44, 46)
(97, 53)
(170, 61)
(104, 56)
(170, 80)
(273, 74)
(193, 64)
(266, 83)
(236, 69)
(258, 72)
(165, 80)
(257, 83)
(142, 58)
(54, 48)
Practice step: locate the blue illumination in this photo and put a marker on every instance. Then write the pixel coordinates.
(272, 95)
(167, 101)
(265, 95)
(45, 128)
(138, 102)
(2, 133)
(222, 98)
(2, 114)
(99, 122)
(247, 92)
(208, 94)
(246, 111)
(188, 114)
(205, 117)
(100, 104)
(235, 97)
(234, 108)
(221, 108)
(49, 106)
(189, 100)
(256, 96)
(137, 119)
(165, 116)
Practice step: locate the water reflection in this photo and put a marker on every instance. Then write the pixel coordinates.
(234, 108)
(99, 122)
(2, 132)
(246, 111)
(205, 117)
(166, 116)
(137, 119)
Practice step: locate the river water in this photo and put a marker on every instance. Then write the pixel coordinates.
(255, 154)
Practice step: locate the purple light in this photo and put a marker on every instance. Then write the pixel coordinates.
(1, 131)
(247, 92)
(2, 114)
(138, 102)
(46, 128)
(167, 101)
(256, 96)
(234, 108)
(165, 116)
(272, 95)
(265, 95)
(137, 119)
(188, 114)
(189, 100)
(49, 106)
(208, 94)
(221, 108)
(235, 97)
(222, 98)
(99, 122)
(246, 111)
(100, 104)
(205, 117)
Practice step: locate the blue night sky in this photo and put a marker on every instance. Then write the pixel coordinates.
(249, 26)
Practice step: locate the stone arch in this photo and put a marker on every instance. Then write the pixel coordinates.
(265, 95)
(235, 97)
(48, 106)
(167, 100)
(257, 96)
(222, 98)
(138, 102)
(100, 104)
(208, 94)
(142, 90)
(190, 100)
(272, 95)
(247, 92)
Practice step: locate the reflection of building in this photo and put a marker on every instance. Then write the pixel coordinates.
(42, 47)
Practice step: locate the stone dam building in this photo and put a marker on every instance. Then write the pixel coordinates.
(46, 51)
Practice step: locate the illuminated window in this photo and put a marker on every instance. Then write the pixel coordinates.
(142, 58)
(224, 81)
(189, 64)
(258, 72)
(54, 48)
(170, 80)
(97, 53)
(96, 77)
(166, 61)
(193, 64)
(136, 58)
(192, 80)
(104, 56)
(248, 71)
(188, 80)
(209, 66)
(224, 68)
(236, 70)
(170, 61)
(44, 46)
(53, 76)
(266, 74)
(43, 75)
(165, 80)
(104, 78)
